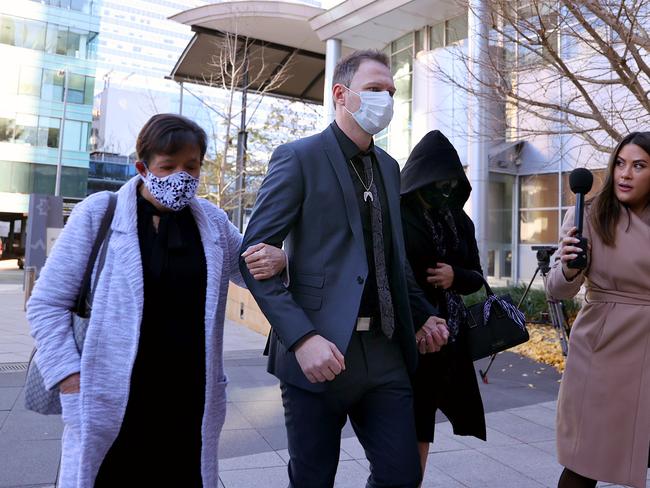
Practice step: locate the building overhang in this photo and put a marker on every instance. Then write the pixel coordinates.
(279, 35)
(506, 154)
(368, 24)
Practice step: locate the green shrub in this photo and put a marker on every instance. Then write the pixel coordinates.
(533, 305)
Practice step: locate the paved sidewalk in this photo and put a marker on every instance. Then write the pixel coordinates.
(519, 401)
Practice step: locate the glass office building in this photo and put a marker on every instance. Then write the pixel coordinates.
(45, 45)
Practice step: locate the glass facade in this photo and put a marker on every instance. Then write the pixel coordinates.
(109, 171)
(448, 32)
(49, 85)
(499, 228)
(38, 56)
(396, 139)
(85, 6)
(40, 131)
(540, 209)
(48, 37)
(21, 177)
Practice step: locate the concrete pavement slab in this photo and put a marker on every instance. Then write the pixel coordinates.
(261, 414)
(546, 446)
(12, 379)
(242, 442)
(475, 469)
(445, 442)
(275, 436)
(527, 460)
(537, 414)
(235, 420)
(8, 397)
(247, 478)
(519, 428)
(252, 461)
(29, 426)
(28, 462)
(351, 474)
(434, 478)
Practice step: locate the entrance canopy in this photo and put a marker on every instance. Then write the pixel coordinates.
(279, 35)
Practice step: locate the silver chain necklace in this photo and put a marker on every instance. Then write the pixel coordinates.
(367, 195)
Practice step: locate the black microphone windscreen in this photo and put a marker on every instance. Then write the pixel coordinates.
(581, 180)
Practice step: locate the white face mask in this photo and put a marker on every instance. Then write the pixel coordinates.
(174, 191)
(375, 111)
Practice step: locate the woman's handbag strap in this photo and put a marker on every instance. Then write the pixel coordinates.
(104, 227)
(488, 290)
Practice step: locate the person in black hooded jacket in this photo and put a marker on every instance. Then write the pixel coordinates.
(441, 248)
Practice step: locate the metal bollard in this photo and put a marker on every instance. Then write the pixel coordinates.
(28, 283)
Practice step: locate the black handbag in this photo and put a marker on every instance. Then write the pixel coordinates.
(495, 325)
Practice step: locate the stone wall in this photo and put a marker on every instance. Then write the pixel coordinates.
(242, 308)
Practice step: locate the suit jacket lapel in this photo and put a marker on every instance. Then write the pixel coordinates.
(338, 162)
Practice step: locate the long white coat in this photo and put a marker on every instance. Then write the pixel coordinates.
(93, 417)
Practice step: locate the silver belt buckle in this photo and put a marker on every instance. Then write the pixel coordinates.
(363, 324)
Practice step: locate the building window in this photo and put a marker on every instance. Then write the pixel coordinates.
(48, 37)
(76, 88)
(538, 203)
(456, 29)
(20, 177)
(569, 198)
(72, 135)
(449, 32)
(48, 132)
(499, 228)
(52, 87)
(30, 81)
(38, 131)
(7, 128)
(397, 137)
(20, 32)
(26, 129)
(89, 90)
(85, 6)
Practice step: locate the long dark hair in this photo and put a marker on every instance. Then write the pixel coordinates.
(606, 209)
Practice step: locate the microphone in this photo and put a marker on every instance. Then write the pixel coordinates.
(580, 180)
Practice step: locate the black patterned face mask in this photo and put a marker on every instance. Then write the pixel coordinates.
(174, 191)
(445, 187)
(438, 193)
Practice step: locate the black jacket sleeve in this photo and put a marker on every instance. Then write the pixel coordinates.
(277, 208)
(421, 308)
(466, 281)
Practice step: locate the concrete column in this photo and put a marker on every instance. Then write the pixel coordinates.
(332, 56)
(477, 155)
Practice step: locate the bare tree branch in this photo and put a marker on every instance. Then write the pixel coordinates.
(576, 67)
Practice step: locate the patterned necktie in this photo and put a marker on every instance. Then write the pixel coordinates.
(383, 289)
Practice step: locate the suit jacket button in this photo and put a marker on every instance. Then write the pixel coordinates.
(360, 280)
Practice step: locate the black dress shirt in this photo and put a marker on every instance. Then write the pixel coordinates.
(369, 306)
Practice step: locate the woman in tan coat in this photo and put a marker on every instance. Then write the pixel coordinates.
(603, 419)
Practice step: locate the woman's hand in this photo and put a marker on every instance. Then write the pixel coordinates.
(71, 384)
(264, 261)
(432, 335)
(442, 276)
(568, 252)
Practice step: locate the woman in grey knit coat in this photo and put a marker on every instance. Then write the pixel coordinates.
(145, 402)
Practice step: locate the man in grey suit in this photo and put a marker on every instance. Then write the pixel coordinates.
(343, 340)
